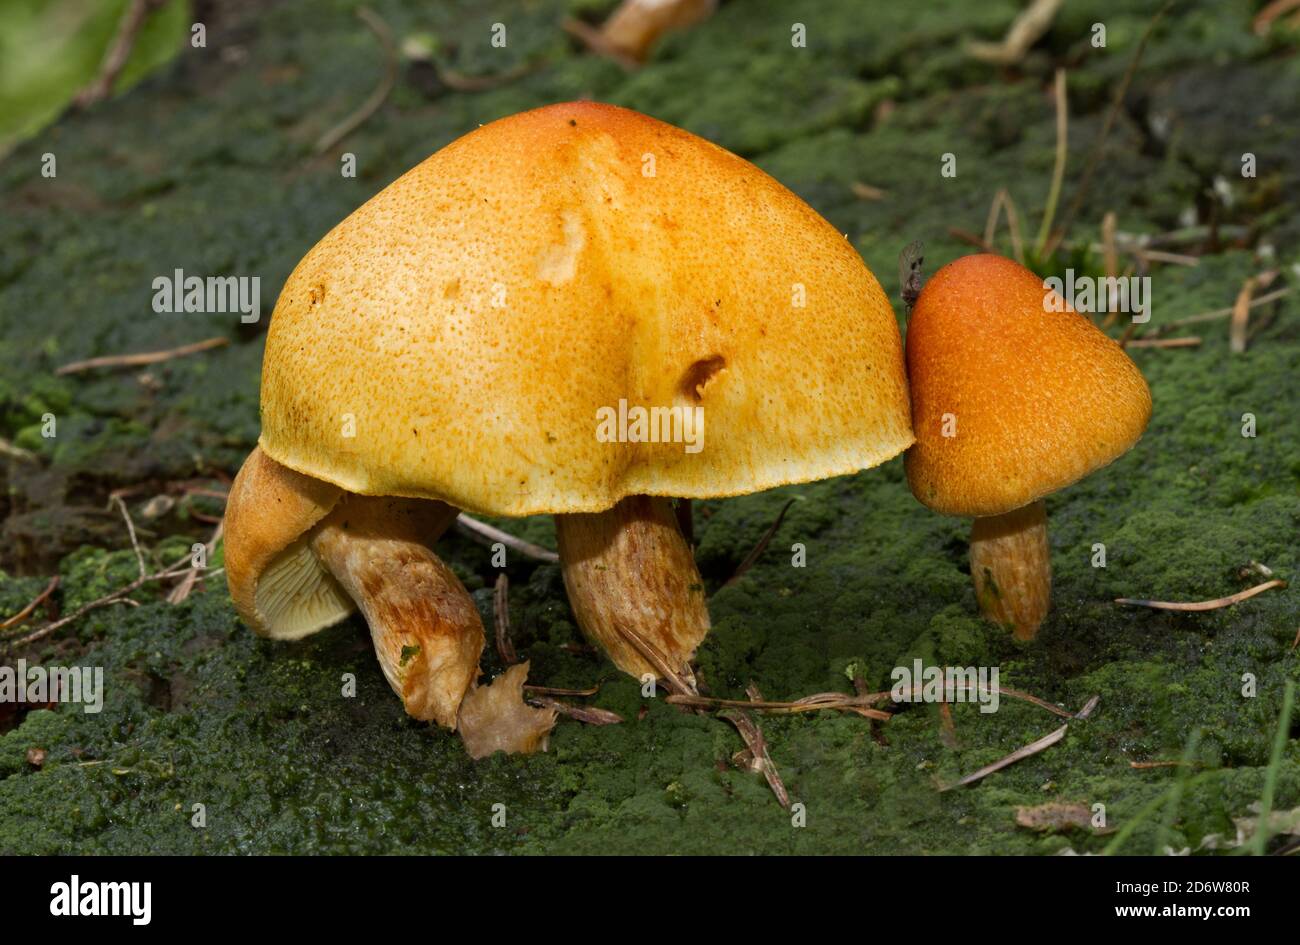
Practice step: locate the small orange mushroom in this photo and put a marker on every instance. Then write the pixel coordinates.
(1012, 399)
(632, 30)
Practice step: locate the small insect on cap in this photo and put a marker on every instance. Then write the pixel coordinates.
(1013, 396)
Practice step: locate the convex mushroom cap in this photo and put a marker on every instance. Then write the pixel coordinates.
(471, 320)
(1031, 399)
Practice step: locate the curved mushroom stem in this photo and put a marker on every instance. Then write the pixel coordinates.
(634, 28)
(629, 568)
(1012, 568)
(427, 632)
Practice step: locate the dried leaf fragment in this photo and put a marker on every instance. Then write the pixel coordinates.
(495, 718)
(1055, 817)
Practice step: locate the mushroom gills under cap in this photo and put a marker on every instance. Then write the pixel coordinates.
(277, 584)
(297, 597)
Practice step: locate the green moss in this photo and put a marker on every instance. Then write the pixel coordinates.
(200, 711)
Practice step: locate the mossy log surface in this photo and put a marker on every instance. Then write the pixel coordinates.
(208, 166)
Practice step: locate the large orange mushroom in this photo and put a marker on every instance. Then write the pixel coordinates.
(539, 319)
(1012, 400)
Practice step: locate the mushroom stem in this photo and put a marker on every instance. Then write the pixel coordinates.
(427, 632)
(630, 567)
(634, 28)
(1012, 568)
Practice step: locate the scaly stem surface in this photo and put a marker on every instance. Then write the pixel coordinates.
(629, 567)
(427, 632)
(1012, 568)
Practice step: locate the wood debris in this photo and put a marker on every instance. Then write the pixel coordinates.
(1197, 606)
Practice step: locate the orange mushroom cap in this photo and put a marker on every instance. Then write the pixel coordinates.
(473, 318)
(1033, 399)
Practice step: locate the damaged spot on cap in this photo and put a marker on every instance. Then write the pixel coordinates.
(700, 375)
(558, 264)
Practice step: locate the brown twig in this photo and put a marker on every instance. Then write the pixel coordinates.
(501, 619)
(1218, 313)
(115, 597)
(1143, 765)
(1081, 193)
(130, 530)
(859, 703)
(16, 452)
(1088, 708)
(1263, 21)
(1002, 201)
(145, 357)
(183, 590)
(459, 82)
(583, 713)
(759, 548)
(381, 92)
(1192, 341)
(821, 702)
(590, 37)
(170, 486)
(947, 727)
(1241, 317)
(759, 757)
(630, 33)
(651, 655)
(1161, 256)
(1198, 606)
(118, 52)
(485, 534)
(1026, 29)
(966, 236)
(1033, 748)
(553, 691)
(1111, 256)
(30, 609)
